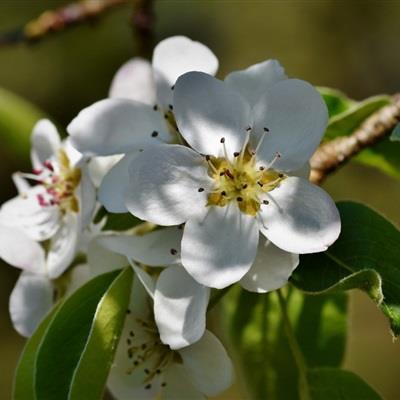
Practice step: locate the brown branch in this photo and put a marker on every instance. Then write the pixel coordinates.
(332, 155)
(52, 21)
(143, 21)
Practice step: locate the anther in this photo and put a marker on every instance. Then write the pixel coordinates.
(280, 175)
(146, 371)
(158, 371)
(259, 183)
(200, 190)
(261, 168)
(222, 173)
(248, 128)
(128, 311)
(208, 158)
(136, 363)
(223, 193)
(244, 186)
(166, 116)
(222, 140)
(154, 134)
(155, 107)
(239, 198)
(174, 251)
(170, 106)
(164, 384)
(148, 386)
(144, 346)
(172, 87)
(128, 341)
(265, 202)
(266, 129)
(236, 154)
(131, 334)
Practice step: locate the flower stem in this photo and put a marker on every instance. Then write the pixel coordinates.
(295, 348)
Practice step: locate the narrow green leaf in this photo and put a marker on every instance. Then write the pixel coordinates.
(395, 136)
(336, 384)
(82, 335)
(345, 123)
(336, 101)
(366, 256)
(17, 118)
(23, 386)
(257, 337)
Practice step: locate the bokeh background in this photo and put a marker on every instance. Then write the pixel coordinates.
(352, 45)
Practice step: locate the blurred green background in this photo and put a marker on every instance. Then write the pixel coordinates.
(351, 45)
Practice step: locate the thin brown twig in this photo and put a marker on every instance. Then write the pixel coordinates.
(143, 21)
(52, 21)
(334, 154)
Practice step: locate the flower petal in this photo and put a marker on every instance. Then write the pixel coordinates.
(87, 197)
(100, 166)
(271, 269)
(63, 246)
(252, 82)
(175, 56)
(296, 117)
(300, 217)
(115, 126)
(207, 110)
(208, 365)
(157, 248)
(134, 80)
(148, 281)
(25, 213)
(218, 250)
(19, 250)
(114, 185)
(45, 142)
(30, 300)
(180, 305)
(164, 185)
(178, 385)
(102, 260)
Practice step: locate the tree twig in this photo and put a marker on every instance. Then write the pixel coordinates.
(143, 20)
(52, 21)
(332, 155)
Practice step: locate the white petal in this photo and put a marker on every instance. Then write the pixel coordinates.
(208, 365)
(134, 80)
(207, 110)
(78, 276)
(45, 142)
(158, 248)
(218, 250)
(300, 217)
(63, 246)
(148, 281)
(164, 185)
(180, 305)
(20, 183)
(175, 56)
(252, 82)
(24, 212)
(87, 197)
(114, 185)
(271, 269)
(19, 250)
(302, 172)
(178, 385)
(30, 300)
(99, 167)
(115, 126)
(296, 116)
(102, 260)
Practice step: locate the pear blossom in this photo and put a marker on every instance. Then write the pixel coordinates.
(56, 209)
(138, 113)
(180, 303)
(240, 175)
(146, 368)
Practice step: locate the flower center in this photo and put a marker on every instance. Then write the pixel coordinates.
(60, 181)
(146, 351)
(241, 180)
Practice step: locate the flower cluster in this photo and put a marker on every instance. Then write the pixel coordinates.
(217, 170)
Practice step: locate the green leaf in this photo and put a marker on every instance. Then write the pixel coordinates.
(23, 387)
(395, 136)
(345, 123)
(75, 356)
(336, 384)
(17, 118)
(257, 337)
(117, 222)
(336, 101)
(366, 256)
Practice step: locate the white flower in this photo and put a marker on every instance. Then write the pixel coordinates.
(139, 111)
(240, 178)
(145, 368)
(56, 209)
(180, 303)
